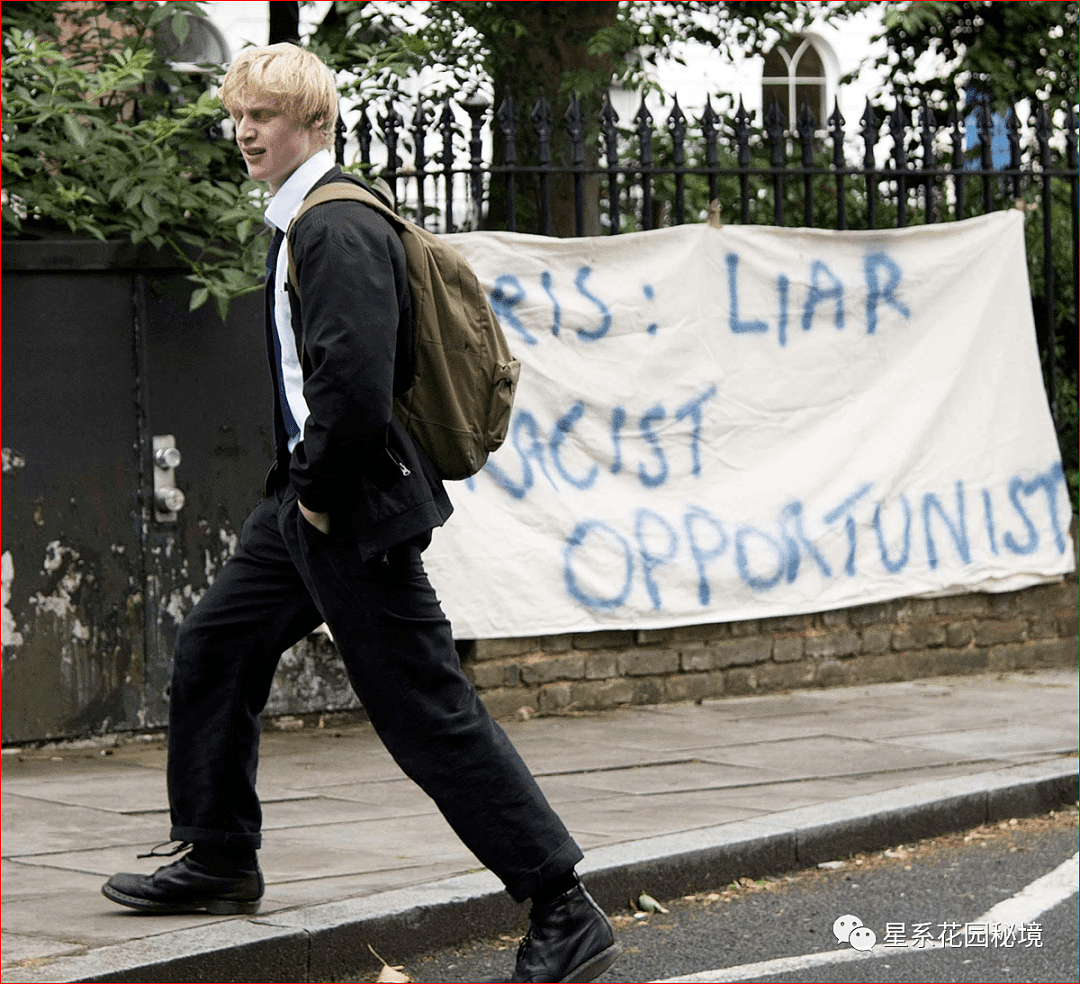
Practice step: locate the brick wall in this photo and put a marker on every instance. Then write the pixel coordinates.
(899, 640)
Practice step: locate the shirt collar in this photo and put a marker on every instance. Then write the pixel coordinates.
(290, 196)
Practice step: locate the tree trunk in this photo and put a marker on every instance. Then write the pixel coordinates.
(284, 21)
(554, 43)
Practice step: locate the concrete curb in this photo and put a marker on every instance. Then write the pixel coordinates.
(330, 941)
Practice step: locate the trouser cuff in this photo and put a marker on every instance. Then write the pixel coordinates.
(561, 862)
(217, 838)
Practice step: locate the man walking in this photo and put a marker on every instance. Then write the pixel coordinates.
(349, 508)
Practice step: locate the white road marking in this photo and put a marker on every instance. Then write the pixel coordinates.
(1022, 908)
(1042, 894)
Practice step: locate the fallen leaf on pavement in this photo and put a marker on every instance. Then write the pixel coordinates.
(646, 903)
(389, 973)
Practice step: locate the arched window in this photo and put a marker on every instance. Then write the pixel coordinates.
(202, 44)
(793, 74)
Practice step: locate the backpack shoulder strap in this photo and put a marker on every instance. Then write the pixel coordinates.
(338, 191)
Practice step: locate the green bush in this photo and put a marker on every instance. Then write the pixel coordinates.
(101, 137)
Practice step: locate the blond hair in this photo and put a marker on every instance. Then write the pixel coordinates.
(302, 85)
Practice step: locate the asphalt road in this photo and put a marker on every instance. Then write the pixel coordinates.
(782, 929)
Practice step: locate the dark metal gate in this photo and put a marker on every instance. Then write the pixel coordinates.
(101, 358)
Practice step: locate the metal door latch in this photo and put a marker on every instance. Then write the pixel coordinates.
(168, 499)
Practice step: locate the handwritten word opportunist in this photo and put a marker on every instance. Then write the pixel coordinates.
(886, 536)
(724, 424)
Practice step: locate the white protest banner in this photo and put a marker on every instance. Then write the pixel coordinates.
(724, 424)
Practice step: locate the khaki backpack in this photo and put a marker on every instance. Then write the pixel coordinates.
(464, 377)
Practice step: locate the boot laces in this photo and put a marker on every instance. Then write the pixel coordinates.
(524, 944)
(156, 852)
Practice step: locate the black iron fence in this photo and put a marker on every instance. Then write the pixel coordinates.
(514, 168)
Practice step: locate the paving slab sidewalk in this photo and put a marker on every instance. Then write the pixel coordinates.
(666, 798)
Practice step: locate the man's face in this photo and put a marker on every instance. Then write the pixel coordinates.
(273, 143)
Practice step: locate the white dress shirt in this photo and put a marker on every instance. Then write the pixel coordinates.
(279, 213)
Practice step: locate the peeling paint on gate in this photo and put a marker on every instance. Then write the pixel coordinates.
(11, 461)
(10, 637)
(67, 644)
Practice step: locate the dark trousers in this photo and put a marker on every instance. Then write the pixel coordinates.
(284, 581)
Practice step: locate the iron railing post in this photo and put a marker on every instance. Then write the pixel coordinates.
(476, 106)
(507, 121)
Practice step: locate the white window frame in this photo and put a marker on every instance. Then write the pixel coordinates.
(792, 80)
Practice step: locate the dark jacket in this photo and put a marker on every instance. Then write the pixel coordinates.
(353, 323)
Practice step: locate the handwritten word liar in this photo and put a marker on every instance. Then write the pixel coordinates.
(823, 296)
(602, 564)
(881, 282)
(541, 453)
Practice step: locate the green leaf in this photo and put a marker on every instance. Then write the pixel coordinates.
(151, 209)
(198, 298)
(181, 26)
(118, 186)
(222, 303)
(76, 131)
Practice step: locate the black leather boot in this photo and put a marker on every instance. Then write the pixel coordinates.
(188, 885)
(569, 939)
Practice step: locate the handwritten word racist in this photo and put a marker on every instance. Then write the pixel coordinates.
(540, 452)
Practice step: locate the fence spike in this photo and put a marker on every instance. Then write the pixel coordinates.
(507, 120)
(609, 127)
(743, 119)
(870, 123)
(363, 135)
(836, 130)
(390, 124)
(448, 128)
(575, 127)
(898, 124)
(676, 123)
(643, 119)
(421, 118)
(709, 120)
(774, 129)
(609, 119)
(1042, 127)
(446, 118)
(542, 123)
